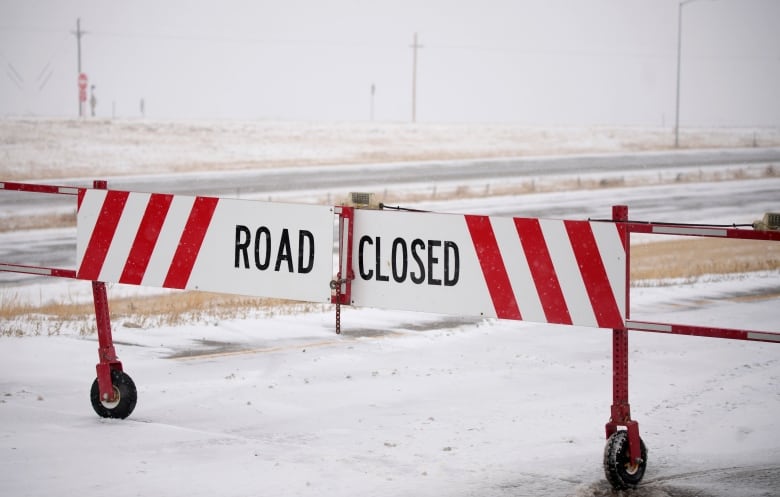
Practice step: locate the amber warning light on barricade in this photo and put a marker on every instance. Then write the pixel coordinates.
(770, 222)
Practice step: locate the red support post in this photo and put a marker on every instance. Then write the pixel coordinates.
(343, 282)
(106, 352)
(620, 414)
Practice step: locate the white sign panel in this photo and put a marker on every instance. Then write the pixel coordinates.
(548, 271)
(267, 249)
(417, 261)
(205, 243)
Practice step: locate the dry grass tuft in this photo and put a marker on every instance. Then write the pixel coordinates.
(694, 257)
(172, 309)
(38, 221)
(191, 306)
(547, 185)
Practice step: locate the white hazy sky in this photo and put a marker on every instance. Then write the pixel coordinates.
(535, 62)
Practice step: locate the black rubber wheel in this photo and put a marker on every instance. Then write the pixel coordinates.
(621, 472)
(126, 397)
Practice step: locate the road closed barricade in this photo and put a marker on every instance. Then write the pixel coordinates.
(570, 272)
(547, 271)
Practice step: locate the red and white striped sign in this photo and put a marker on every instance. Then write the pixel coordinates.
(548, 271)
(205, 243)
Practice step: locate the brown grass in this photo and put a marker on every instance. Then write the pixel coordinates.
(546, 185)
(693, 257)
(38, 221)
(143, 312)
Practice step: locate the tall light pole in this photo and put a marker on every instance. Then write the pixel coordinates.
(373, 92)
(679, 58)
(414, 46)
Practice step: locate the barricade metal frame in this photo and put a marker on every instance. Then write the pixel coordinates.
(625, 454)
(108, 359)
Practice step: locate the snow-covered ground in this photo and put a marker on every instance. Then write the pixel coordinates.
(400, 403)
(66, 148)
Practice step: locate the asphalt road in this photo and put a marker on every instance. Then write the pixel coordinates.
(355, 177)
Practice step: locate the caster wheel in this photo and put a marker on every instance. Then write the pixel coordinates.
(125, 397)
(621, 472)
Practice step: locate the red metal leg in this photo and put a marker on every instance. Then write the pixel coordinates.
(106, 351)
(620, 413)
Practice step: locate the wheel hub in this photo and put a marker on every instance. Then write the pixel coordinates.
(632, 468)
(114, 401)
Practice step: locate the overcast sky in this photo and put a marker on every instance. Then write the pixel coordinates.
(535, 62)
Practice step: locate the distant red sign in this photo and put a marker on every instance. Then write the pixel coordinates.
(82, 87)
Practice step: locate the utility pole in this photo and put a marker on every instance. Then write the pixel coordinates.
(414, 47)
(79, 33)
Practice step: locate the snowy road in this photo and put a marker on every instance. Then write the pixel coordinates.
(289, 180)
(355, 178)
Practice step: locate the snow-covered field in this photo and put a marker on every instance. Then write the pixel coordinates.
(400, 403)
(58, 148)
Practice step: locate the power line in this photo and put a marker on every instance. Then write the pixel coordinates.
(246, 40)
(522, 51)
(28, 29)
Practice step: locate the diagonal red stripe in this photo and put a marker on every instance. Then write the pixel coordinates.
(493, 268)
(190, 242)
(80, 198)
(102, 235)
(542, 271)
(146, 238)
(594, 274)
